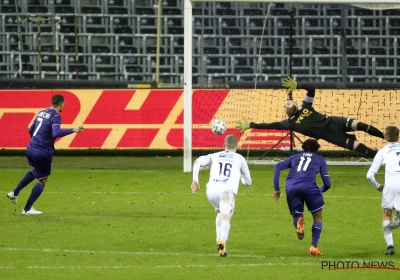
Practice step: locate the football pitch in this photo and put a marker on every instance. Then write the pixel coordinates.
(136, 218)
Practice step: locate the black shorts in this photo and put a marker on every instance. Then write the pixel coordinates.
(335, 132)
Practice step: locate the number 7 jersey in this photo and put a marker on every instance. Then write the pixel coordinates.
(41, 130)
(226, 168)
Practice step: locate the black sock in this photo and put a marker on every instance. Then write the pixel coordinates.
(370, 130)
(367, 152)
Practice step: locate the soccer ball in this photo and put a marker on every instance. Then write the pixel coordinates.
(218, 127)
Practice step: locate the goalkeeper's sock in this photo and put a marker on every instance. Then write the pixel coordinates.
(387, 233)
(316, 233)
(367, 152)
(370, 130)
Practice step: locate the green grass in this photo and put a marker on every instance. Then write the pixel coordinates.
(135, 218)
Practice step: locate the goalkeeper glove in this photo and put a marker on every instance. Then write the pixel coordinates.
(242, 125)
(289, 84)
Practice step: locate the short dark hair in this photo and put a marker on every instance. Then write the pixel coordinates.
(392, 133)
(231, 142)
(310, 145)
(57, 99)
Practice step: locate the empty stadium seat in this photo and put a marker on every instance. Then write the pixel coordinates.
(91, 10)
(10, 9)
(117, 10)
(171, 11)
(64, 9)
(144, 11)
(37, 9)
(127, 49)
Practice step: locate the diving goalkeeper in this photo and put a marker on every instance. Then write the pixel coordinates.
(307, 121)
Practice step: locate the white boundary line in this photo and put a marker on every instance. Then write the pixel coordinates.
(189, 193)
(306, 258)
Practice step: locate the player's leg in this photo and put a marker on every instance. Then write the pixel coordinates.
(357, 125)
(42, 162)
(388, 200)
(387, 231)
(296, 207)
(227, 207)
(395, 223)
(26, 180)
(316, 233)
(36, 192)
(214, 198)
(336, 134)
(315, 202)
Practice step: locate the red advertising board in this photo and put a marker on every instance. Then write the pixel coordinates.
(153, 118)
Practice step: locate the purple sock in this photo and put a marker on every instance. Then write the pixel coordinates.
(316, 232)
(36, 192)
(29, 177)
(295, 221)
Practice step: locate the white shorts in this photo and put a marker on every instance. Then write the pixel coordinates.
(222, 199)
(391, 196)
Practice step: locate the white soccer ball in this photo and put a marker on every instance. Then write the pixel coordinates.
(218, 127)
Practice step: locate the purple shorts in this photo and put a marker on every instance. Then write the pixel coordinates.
(41, 162)
(296, 196)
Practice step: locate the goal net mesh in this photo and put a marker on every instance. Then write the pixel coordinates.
(242, 52)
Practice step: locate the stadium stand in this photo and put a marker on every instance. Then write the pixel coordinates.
(116, 39)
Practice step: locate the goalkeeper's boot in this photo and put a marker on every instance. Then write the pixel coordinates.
(395, 220)
(12, 197)
(314, 251)
(222, 249)
(389, 250)
(300, 228)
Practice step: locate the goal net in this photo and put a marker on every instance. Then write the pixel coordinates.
(238, 53)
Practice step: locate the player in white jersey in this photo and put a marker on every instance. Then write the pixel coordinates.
(227, 169)
(390, 156)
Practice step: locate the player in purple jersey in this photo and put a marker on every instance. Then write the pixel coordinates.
(301, 187)
(307, 121)
(44, 131)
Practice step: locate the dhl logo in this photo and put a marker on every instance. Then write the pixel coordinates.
(112, 118)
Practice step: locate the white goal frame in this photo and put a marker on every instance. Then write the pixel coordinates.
(187, 73)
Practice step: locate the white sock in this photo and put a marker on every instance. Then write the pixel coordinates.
(387, 233)
(218, 226)
(225, 228)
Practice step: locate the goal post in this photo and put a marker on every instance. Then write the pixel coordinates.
(189, 44)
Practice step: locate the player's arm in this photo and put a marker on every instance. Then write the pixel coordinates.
(57, 131)
(277, 173)
(245, 171)
(325, 178)
(282, 125)
(201, 161)
(376, 164)
(291, 85)
(32, 129)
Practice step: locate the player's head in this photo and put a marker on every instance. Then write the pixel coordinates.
(231, 142)
(392, 133)
(290, 107)
(310, 145)
(57, 102)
